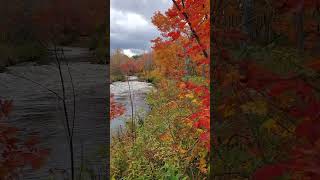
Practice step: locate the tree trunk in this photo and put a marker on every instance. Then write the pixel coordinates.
(298, 17)
(248, 16)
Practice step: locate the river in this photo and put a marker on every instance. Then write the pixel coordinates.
(37, 109)
(139, 91)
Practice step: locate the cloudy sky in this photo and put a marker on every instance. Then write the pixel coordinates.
(130, 24)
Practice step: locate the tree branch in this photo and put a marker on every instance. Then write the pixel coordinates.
(191, 28)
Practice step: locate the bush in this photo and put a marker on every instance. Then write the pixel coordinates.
(28, 51)
(153, 76)
(119, 77)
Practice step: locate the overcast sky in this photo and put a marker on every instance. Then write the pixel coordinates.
(130, 24)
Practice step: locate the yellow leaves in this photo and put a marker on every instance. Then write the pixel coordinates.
(227, 110)
(203, 165)
(195, 101)
(180, 96)
(165, 137)
(270, 125)
(190, 95)
(179, 149)
(172, 104)
(256, 107)
(203, 162)
(188, 122)
(200, 130)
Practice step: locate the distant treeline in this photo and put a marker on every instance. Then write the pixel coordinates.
(28, 27)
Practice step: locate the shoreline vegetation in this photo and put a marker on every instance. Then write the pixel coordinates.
(159, 145)
(15, 54)
(33, 49)
(173, 140)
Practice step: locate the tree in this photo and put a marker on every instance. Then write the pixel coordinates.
(186, 25)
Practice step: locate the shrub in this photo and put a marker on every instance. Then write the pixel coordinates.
(27, 51)
(153, 76)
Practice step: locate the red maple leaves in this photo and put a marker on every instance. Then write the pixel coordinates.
(16, 153)
(188, 22)
(130, 67)
(294, 97)
(116, 109)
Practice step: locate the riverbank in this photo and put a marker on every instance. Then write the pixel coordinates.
(165, 143)
(15, 54)
(39, 55)
(120, 90)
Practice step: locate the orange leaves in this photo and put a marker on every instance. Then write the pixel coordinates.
(182, 85)
(130, 67)
(188, 25)
(161, 21)
(166, 59)
(165, 137)
(183, 50)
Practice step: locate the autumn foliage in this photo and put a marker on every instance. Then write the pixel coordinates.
(17, 152)
(186, 27)
(130, 67)
(173, 140)
(268, 115)
(116, 109)
(56, 19)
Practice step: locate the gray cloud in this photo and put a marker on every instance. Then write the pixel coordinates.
(144, 7)
(130, 23)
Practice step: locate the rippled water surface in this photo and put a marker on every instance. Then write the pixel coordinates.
(139, 91)
(37, 109)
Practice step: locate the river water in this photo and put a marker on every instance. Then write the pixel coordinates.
(139, 91)
(37, 109)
